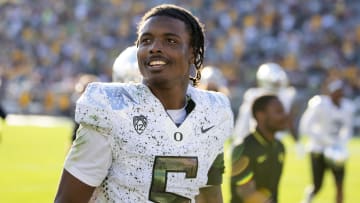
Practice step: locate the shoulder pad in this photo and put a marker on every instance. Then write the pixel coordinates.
(316, 101)
(92, 108)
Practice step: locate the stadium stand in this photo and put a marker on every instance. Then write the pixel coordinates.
(46, 45)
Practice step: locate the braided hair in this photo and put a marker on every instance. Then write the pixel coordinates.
(193, 25)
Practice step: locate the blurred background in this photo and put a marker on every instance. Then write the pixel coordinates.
(46, 45)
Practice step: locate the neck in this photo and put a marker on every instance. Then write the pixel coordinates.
(335, 101)
(268, 134)
(171, 98)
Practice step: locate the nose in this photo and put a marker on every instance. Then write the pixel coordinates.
(156, 46)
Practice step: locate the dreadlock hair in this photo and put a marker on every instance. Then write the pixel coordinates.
(193, 25)
(261, 103)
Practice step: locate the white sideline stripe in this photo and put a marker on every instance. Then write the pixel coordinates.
(37, 120)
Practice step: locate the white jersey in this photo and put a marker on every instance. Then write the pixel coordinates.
(245, 122)
(131, 150)
(327, 124)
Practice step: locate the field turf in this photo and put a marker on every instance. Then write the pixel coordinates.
(32, 155)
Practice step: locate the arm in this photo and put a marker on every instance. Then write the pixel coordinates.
(242, 124)
(347, 130)
(292, 123)
(211, 194)
(249, 194)
(72, 190)
(86, 166)
(311, 121)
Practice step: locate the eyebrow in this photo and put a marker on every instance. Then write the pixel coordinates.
(168, 34)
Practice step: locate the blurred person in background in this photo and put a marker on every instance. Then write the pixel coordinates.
(214, 80)
(3, 115)
(2, 111)
(80, 86)
(125, 67)
(257, 162)
(271, 79)
(328, 124)
(2, 119)
(156, 141)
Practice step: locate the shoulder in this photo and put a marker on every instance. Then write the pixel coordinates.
(288, 92)
(280, 145)
(109, 95)
(96, 104)
(318, 100)
(249, 141)
(252, 93)
(208, 97)
(348, 105)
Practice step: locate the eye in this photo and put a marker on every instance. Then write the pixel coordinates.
(145, 40)
(171, 41)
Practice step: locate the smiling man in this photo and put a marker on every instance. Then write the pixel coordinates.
(157, 141)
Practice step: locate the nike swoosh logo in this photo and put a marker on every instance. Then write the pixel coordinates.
(204, 130)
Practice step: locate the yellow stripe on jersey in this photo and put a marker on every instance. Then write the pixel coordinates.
(240, 165)
(245, 180)
(260, 138)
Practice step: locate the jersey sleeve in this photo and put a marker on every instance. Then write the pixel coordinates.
(241, 171)
(90, 155)
(226, 125)
(216, 171)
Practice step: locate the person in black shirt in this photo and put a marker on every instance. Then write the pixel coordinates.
(2, 117)
(2, 113)
(258, 161)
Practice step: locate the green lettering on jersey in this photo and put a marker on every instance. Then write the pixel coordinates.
(164, 165)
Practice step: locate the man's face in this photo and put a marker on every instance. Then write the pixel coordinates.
(164, 53)
(275, 116)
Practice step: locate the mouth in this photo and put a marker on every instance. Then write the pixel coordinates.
(157, 64)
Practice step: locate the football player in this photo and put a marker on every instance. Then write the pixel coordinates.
(271, 79)
(213, 79)
(125, 67)
(156, 141)
(327, 122)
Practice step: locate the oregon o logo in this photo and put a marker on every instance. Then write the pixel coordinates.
(178, 136)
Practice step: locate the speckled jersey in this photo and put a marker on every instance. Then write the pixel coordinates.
(150, 158)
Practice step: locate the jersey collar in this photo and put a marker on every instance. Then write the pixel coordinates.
(260, 138)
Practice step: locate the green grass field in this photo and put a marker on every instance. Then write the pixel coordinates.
(31, 159)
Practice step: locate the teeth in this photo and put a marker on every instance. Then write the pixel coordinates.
(156, 63)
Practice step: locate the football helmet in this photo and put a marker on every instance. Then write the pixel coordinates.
(213, 79)
(83, 81)
(271, 76)
(125, 67)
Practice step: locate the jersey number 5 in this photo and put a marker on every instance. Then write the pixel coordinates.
(164, 165)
